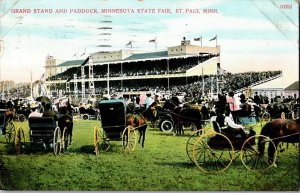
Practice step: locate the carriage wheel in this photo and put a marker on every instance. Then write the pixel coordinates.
(129, 139)
(100, 141)
(64, 140)
(21, 118)
(166, 126)
(266, 117)
(252, 158)
(213, 152)
(85, 117)
(190, 143)
(56, 141)
(19, 140)
(10, 132)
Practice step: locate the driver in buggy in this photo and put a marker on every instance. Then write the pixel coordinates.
(227, 125)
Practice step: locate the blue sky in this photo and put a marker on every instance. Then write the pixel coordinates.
(254, 35)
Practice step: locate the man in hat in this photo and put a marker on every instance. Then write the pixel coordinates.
(48, 112)
(34, 111)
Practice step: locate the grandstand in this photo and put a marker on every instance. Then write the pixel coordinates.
(184, 68)
(129, 70)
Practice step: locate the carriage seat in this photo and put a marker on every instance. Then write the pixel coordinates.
(246, 120)
(41, 127)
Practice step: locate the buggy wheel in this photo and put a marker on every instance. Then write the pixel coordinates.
(254, 153)
(64, 140)
(21, 118)
(19, 140)
(266, 117)
(213, 152)
(129, 139)
(100, 141)
(166, 126)
(190, 143)
(10, 132)
(57, 141)
(85, 117)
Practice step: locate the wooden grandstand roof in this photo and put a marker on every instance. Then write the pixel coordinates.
(71, 63)
(294, 86)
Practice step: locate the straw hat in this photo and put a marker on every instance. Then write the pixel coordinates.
(34, 105)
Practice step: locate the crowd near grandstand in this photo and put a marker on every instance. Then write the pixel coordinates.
(229, 82)
(192, 71)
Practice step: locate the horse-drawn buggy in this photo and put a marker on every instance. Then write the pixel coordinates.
(213, 150)
(116, 125)
(89, 113)
(7, 127)
(43, 131)
(52, 131)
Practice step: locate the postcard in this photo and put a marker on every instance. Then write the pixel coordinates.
(140, 95)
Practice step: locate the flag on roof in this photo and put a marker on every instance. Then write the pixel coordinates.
(153, 40)
(129, 43)
(198, 39)
(214, 38)
(83, 52)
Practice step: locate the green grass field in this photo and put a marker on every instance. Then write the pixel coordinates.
(162, 165)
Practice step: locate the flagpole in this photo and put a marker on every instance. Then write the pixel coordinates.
(108, 95)
(31, 94)
(202, 82)
(201, 40)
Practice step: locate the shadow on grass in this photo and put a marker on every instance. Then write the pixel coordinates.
(177, 164)
(171, 134)
(29, 148)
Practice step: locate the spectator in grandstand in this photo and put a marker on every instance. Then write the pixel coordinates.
(257, 99)
(149, 100)
(34, 111)
(48, 112)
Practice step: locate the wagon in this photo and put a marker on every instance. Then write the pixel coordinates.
(113, 126)
(42, 130)
(88, 114)
(213, 151)
(7, 127)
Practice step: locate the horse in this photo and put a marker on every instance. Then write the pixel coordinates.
(185, 115)
(275, 109)
(139, 120)
(9, 114)
(65, 120)
(279, 130)
(140, 123)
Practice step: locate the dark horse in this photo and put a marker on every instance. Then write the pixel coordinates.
(65, 121)
(279, 130)
(139, 120)
(187, 115)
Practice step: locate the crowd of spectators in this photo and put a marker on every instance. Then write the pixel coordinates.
(192, 86)
(139, 68)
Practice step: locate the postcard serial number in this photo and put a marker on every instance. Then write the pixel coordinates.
(286, 6)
